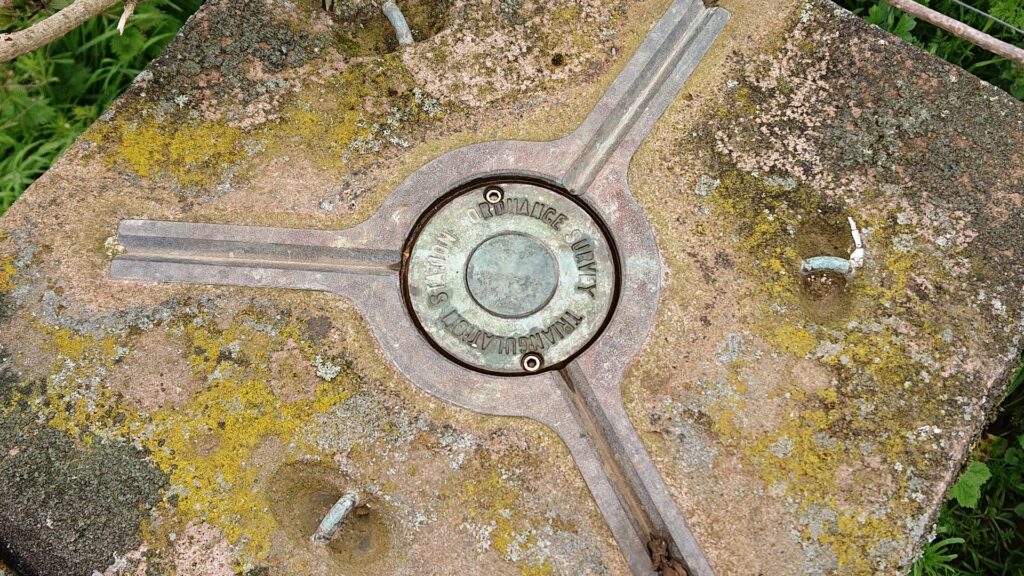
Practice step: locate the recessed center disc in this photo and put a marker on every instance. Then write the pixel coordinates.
(512, 275)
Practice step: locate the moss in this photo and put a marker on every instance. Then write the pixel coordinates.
(69, 508)
(214, 56)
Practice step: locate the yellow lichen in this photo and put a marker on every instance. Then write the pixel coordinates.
(804, 455)
(71, 398)
(793, 339)
(855, 538)
(194, 153)
(766, 217)
(206, 447)
(491, 500)
(7, 274)
(799, 455)
(80, 348)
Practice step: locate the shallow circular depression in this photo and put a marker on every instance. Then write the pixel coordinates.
(361, 29)
(300, 496)
(512, 275)
(824, 297)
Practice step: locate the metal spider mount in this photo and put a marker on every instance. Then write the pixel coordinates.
(508, 278)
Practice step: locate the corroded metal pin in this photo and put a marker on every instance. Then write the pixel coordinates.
(523, 287)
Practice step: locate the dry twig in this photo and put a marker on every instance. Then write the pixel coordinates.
(55, 26)
(958, 28)
(129, 9)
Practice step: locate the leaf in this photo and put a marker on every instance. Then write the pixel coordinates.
(128, 45)
(38, 113)
(1012, 456)
(905, 24)
(1010, 11)
(967, 490)
(879, 14)
(1019, 510)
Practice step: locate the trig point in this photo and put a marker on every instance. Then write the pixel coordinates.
(600, 287)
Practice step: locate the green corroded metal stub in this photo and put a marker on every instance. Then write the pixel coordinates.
(507, 270)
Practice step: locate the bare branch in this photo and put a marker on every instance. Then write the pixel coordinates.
(958, 28)
(45, 31)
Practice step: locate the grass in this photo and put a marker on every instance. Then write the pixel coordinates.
(985, 65)
(48, 97)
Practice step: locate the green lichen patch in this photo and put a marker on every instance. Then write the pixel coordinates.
(367, 108)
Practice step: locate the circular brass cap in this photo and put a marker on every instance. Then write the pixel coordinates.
(510, 277)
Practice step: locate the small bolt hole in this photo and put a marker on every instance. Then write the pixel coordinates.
(558, 59)
(532, 362)
(493, 194)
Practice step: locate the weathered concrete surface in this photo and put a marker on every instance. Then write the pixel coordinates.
(800, 433)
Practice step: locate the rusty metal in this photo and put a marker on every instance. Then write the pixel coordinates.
(846, 267)
(331, 523)
(580, 397)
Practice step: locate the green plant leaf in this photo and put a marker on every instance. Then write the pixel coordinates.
(879, 14)
(1010, 11)
(967, 490)
(128, 45)
(904, 25)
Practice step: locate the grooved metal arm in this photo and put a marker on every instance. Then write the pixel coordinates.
(580, 399)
